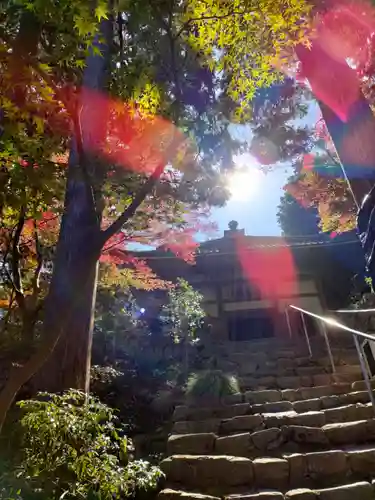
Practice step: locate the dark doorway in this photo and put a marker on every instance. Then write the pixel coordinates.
(248, 325)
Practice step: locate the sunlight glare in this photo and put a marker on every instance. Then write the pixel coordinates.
(245, 183)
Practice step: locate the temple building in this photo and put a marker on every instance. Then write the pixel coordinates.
(249, 282)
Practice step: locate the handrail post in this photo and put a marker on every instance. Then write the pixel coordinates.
(364, 370)
(329, 350)
(306, 334)
(288, 322)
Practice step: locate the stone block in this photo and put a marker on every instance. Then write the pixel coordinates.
(362, 491)
(306, 381)
(266, 382)
(341, 388)
(322, 379)
(360, 385)
(278, 419)
(285, 372)
(234, 399)
(316, 392)
(273, 407)
(324, 465)
(272, 473)
(221, 411)
(239, 445)
(169, 494)
(364, 411)
(261, 397)
(307, 435)
(242, 423)
(289, 382)
(248, 367)
(267, 439)
(356, 397)
(307, 405)
(208, 471)
(345, 377)
(192, 444)
(291, 395)
(341, 414)
(296, 469)
(300, 494)
(346, 432)
(234, 410)
(287, 353)
(330, 401)
(308, 370)
(353, 369)
(285, 363)
(273, 365)
(362, 462)
(308, 419)
(193, 427)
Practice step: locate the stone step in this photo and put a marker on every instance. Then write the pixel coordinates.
(221, 475)
(362, 490)
(186, 413)
(294, 382)
(258, 421)
(246, 361)
(274, 440)
(282, 359)
(317, 346)
(254, 371)
(274, 395)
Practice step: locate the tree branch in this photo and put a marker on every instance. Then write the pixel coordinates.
(134, 205)
(38, 269)
(8, 313)
(16, 258)
(203, 18)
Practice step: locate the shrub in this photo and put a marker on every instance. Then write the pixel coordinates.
(211, 384)
(74, 447)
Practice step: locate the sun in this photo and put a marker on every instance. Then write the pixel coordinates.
(245, 183)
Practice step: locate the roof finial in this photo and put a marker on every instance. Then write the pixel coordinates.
(233, 225)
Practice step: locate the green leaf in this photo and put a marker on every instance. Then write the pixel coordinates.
(101, 11)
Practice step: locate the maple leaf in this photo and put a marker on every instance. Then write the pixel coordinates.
(101, 11)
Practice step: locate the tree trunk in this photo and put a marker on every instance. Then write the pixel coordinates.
(347, 114)
(71, 300)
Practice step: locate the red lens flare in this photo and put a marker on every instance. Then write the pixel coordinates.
(271, 269)
(131, 139)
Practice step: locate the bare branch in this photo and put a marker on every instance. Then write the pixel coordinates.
(38, 268)
(134, 205)
(16, 260)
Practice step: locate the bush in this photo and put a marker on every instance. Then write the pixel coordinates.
(132, 391)
(74, 447)
(211, 384)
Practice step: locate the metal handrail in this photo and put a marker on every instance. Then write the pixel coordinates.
(355, 333)
(334, 322)
(354, 311)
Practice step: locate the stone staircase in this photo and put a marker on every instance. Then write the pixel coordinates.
(294, 432)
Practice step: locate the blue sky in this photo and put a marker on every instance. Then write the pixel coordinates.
(256, 212)
(255, 206)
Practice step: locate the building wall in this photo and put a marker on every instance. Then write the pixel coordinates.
(306, 296)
